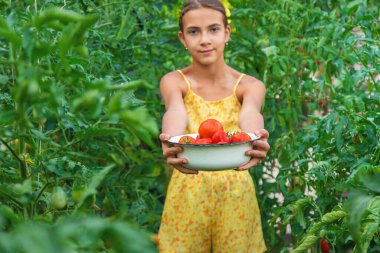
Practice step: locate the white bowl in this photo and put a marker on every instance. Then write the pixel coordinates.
(214, 156)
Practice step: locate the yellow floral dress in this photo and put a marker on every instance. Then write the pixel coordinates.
(213, 211)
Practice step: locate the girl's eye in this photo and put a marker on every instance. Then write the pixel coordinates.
(215, 29)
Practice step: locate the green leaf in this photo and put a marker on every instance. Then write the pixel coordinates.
(94, 183)
(370, 225)
(92, 132)
(127, 19)
(360, 104)
(8, 34)
(39, 135)
(139, 118)
(7, 213)
(130, 86)
(144, 135)
(353, 5)
(67, 235)
(372, 182)
(339, 134)
(355, 206)
(270, 51)
(3, 79)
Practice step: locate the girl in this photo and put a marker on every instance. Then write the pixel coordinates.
(210, 211)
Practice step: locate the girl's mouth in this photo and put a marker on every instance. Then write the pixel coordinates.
(206, 52)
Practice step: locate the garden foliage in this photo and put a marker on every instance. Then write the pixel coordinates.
(81, 168)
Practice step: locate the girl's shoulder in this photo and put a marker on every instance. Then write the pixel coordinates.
(250, 81)
(246, 81)
(171, 76)
(173, 81)
(250, 85)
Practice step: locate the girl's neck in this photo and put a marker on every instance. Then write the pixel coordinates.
(211, 72)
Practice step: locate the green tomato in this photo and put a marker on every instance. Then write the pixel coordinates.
(58, 198)
(77, 193)
(18, 189)
(322, 233)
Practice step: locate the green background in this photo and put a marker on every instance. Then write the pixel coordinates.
(81, 167)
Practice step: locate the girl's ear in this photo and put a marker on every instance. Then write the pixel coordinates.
(228, 33)
(181, 37)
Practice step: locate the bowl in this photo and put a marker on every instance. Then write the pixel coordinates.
(214, 157)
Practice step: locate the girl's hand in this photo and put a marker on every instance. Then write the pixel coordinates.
(170, 153)
(259, 150)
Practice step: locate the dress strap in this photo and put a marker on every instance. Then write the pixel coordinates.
(237, 83)
(185, 78)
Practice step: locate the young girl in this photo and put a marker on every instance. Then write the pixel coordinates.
(210, 211)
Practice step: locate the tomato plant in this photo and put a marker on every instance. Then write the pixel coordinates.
(68, 118)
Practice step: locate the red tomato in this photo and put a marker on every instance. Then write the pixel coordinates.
(240, 137)
(209, 127)
(220, 137)
(203, 141)
(325, 247)
(186, 140)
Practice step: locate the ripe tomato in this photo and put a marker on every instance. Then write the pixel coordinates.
(203, 141)
(240, 137)
(186, 140)
(209, 127)
(325, 247)
(220, 137)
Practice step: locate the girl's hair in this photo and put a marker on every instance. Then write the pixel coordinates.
(197, 4)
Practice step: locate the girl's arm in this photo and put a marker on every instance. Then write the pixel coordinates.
(251, 120)
(174, 121)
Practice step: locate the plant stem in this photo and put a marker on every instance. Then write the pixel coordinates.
(41, 191)
(22, 165)
(28, 209)
(11, 150)
(13, 63)
(367, 120)
(15, 201)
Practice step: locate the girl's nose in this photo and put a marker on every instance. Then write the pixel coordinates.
(205, 38)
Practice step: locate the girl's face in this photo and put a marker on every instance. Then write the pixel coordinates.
(204, 35)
